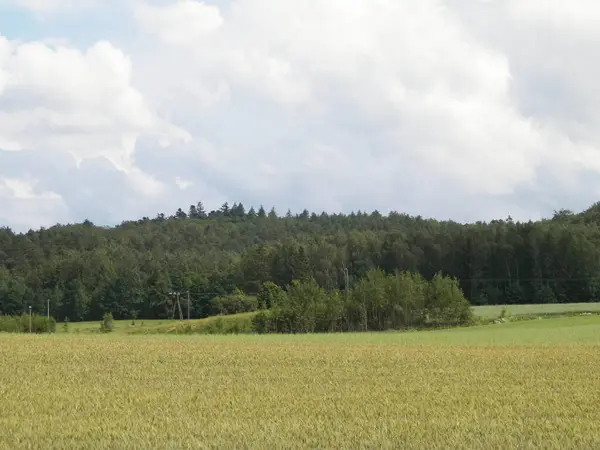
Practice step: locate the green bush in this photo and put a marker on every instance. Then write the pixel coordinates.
(270, 295)
(106, 326)
(262, 322)
(20, 324)
(445, 303)
(11, 324)
(235, 303)
(232, 324)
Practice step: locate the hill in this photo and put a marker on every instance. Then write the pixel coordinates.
(131, 269)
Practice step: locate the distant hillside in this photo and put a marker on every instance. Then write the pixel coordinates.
(85, 270)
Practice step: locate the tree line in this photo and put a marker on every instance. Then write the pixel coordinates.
(131, 269)
(378, 302)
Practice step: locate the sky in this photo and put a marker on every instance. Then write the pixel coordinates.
(468, 110)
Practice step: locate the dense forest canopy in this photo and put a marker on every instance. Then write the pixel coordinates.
(132, 269)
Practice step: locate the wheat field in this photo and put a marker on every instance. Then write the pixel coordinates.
(521, 385)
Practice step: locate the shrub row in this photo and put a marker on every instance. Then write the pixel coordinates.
(377, 302)
(20, 324)
(227, 324)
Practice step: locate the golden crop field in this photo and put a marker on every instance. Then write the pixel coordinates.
(531, 384)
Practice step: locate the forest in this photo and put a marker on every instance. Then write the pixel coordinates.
(134, 269)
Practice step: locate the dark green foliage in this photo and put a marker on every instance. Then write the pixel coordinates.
(86, 270)
(378, 302)
(270, 295)
(262, 322)
(234, 303)
(445, 304)
(20, 324)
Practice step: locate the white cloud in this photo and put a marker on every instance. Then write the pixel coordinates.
(181, 22)
(580, 17)
(436, 107)
(95, 82)
(46, 6)
(64, 99)
(24, 206)
(59, 99)
(25, 189)
(407, 71)
(183, 184)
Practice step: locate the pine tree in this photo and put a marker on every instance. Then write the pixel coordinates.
(225, 210)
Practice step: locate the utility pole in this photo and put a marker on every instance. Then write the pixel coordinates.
(177, 305)
(30, 319)
(48, 309)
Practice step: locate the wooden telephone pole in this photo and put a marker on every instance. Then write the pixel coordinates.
(177, 305)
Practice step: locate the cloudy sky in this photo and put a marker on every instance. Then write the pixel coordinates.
(462, 109)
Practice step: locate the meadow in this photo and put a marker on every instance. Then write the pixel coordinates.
(527, 384)
(242, 322)
(493, 311)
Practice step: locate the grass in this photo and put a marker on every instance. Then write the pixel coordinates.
(493, 311)
(119, 326)
(242, 322)
(235, 323)
(529, 384)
